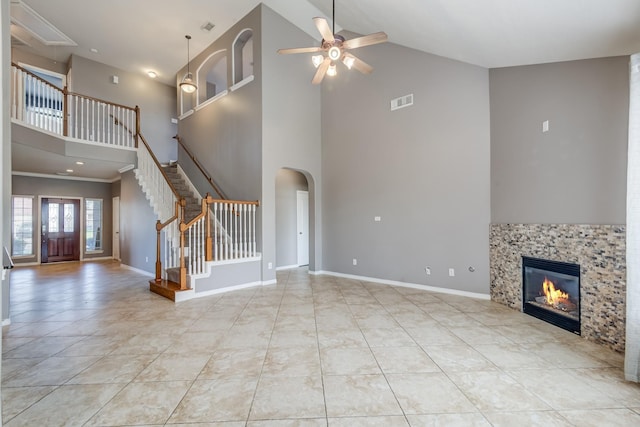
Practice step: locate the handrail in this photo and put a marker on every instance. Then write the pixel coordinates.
(199, 166)
(35, 76)
(164, 174)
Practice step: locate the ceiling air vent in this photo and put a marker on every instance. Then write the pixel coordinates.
(403, 101)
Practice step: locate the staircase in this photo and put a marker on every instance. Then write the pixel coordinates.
(193, 205)
(211, 241)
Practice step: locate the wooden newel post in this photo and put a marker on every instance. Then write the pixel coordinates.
(137, 125)
(158, 262)
(208, 248)
(183, 228)
(65, 112)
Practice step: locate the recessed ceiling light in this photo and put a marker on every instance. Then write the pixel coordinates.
(79, 163)
(152, 74)
(70, 170)
(94, 50)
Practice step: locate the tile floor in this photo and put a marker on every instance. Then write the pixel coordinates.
(90, 345)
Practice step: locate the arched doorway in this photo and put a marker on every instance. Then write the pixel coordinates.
(293, 237)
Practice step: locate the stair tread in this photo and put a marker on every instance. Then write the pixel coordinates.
(165, 288)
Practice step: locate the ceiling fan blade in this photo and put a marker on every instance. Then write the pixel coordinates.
(359, 64)
(300, 50)
(325, 30)
(374, 38)
(322, 70)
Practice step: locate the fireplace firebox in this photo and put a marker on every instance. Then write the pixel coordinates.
(551, 292)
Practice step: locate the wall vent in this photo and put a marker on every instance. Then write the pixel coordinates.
(403, 101)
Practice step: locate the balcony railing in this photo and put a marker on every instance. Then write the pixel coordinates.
(38, 103)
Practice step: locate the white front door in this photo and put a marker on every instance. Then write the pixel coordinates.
(116, 229)
(303, 227)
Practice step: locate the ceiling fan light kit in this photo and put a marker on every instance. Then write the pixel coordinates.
(334, 48)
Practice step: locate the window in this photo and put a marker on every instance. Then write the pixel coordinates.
(93, 225)
(22, 226)
(212, 76)
(243, 56)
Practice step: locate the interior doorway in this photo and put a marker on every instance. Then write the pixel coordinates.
(116, 228)
(293, 230)
(302, 227)
(60, 236)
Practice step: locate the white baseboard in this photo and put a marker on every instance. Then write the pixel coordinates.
(287, 267)
(270, 282)
(137, 270)
(98, 258)
(405, 285)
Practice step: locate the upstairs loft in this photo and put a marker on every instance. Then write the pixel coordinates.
(52, 126)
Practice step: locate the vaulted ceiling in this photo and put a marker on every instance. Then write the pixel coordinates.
(147, 35)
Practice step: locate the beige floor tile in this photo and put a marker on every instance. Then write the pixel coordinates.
(293, 338)
(41, 347)
(393, 421)
(564, 355)
(196, 342)
(564, 389)
(394, 337)
(474, 335)
(70, 405)
(359, 395)
(13, 367)
(527, 419)
(436, 335)
(213, 400)
(144, 344)
(348, 361)
(141, 403)
(496, 391)
(511, 356)
(113, 369)
(341, 338)
(611, 382)
(449, 420)
(174, 367)
(401, 360)
(292, 362)
(599, 418)
(227, 364)
(300, 422)
(292, 397)
(51, 371)
(428, 393)
(458, 358)
(17, 399)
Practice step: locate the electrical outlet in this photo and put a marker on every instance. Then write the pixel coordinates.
(146, 259)
(427, 270)
(452, 272)
(355, 261)
(270, 265)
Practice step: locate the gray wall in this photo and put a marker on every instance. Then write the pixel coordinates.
(576, 172)
(156, 100)
(288, 182)
(423, 169)
(51, 187)
(137, 226)
(291, 131)
(21, 57)
(225, 135)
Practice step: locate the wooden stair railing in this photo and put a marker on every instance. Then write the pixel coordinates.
(204, 173)
(38, 103)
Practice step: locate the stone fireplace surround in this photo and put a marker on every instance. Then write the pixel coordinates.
(600, 250)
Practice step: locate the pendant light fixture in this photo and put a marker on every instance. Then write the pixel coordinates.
(188, 85)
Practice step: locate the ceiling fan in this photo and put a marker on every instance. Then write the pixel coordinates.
(334, 48)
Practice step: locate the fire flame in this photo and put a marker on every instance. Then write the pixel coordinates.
(552, 294)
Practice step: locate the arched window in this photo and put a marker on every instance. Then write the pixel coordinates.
(243, 56)
(212, 76)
